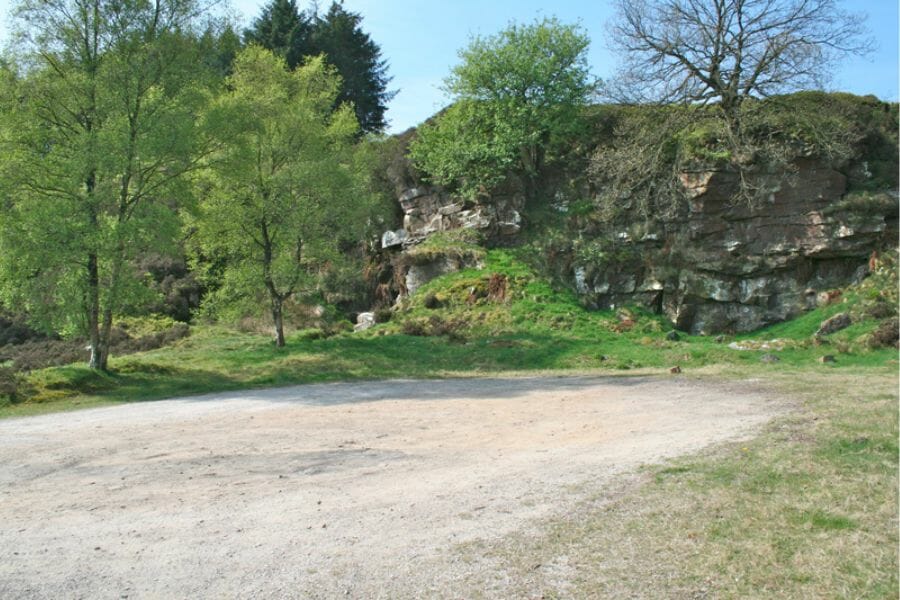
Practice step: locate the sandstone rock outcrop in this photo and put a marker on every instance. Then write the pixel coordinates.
(715, 266)
(364, 320)
(721, 266)
(428, 210)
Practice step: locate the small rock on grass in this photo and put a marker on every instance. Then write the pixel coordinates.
(769, 358)
(673, 336)
(835, 323)
(828, 358)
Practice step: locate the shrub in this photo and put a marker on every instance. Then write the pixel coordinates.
(431, 301)
(435, 325)
(146, 325)
(9, 386)
(886, 335)
(497, 287)
(417, 327)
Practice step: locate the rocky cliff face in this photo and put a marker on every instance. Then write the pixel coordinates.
(427, 210)
(718, 266)
(725, 267)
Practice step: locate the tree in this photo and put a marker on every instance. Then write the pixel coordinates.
(358, 61)
(295, 35)
(219, 44)
(284, 30)
(724, 63)
(726, 51)
(516, 96)
(95, 138)
(288, 190)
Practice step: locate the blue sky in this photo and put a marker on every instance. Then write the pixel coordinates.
(420, 40)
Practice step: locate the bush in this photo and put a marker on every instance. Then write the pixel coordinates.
(9, 386)
(137, 327)
(434, 325)
(14, 331)
(886, 335)
(41, 353)
(497, 286)
(431, 301)
(417, 327)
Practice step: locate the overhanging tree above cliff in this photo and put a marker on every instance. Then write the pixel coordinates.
(725, 51)
(515, 96)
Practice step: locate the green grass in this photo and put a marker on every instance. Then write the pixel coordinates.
(534, 328)
(807, 509)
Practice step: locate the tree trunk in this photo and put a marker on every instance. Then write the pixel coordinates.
(278, 321)
(105, 334)
(97, 360)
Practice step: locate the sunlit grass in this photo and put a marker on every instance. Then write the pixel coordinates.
(534, 328)
(807, 509)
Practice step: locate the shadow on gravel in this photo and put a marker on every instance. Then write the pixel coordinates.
(326, 394)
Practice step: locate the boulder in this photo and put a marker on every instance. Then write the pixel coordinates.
(835, 323)
(364, 321)
(390, 239)
(420, 274)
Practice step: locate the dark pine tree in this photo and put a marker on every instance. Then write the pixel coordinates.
(219, 44)
(284, 30)
(358, 60)
(293, 34)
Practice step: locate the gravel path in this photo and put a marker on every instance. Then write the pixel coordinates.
(361, 490)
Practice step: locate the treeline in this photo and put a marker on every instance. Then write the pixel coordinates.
(140, 129)
(135, 131)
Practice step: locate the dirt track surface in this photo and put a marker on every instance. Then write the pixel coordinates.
(359, 490)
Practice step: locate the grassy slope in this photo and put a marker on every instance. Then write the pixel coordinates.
(536, 328)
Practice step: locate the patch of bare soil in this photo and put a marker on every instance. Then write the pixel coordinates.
(363, 490)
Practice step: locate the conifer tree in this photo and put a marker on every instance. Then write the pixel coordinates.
(284, 30)
(296, 35)
(348, 48)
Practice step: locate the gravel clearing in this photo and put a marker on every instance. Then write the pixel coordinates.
(361, 490)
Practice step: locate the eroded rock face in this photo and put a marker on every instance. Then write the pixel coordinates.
(716, 267)
(726, 267)
(420, 274)
(392, 239)
(427, 210)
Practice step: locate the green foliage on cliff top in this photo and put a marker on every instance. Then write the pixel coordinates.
(638, 152)
(516, 96)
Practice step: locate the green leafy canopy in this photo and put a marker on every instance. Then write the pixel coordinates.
(516, 96)
(288, 188)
